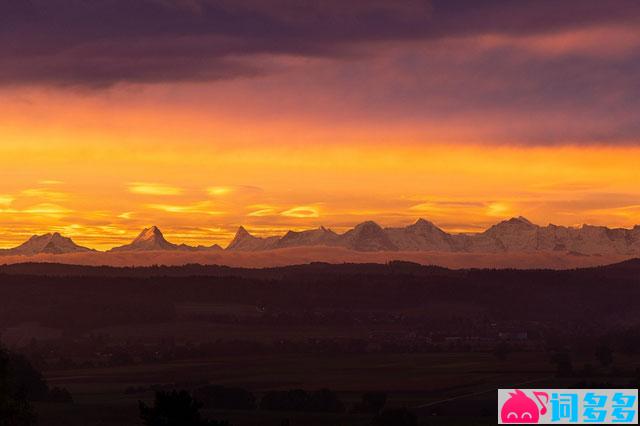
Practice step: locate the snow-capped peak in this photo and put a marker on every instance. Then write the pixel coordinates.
(149, 234)
(149, 239)
(53, 243)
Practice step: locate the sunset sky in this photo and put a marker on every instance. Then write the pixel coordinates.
(202, 115)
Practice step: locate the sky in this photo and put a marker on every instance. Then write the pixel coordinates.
(202, 115)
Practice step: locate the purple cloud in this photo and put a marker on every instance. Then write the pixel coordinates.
(102, 42)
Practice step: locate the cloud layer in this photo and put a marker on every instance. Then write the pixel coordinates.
(97, 43)
(529, 72)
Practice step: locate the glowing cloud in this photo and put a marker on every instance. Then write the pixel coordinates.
(153, 189)
(43, 209)
(219, 190)
(45, 193)
(197, 208)
(262, 210)
(262, 213)
(301, 212)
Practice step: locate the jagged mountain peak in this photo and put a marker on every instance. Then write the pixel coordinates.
(423, 224)
(515, 234)
(368, 225)
(242, 232)
(523, 219)
(51, 243)
(368, 236)
(47, 236)
(520, 220)
(421, 235)
(150, 233)
(149, 239)
(244, 241)
(313, 237)
(50, 236)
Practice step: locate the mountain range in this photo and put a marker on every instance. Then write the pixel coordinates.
(510, 236)
(514, 235)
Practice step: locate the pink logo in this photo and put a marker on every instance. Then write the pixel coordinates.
(519, 408)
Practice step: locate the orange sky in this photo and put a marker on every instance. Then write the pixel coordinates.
(99, 169)
(202, 116)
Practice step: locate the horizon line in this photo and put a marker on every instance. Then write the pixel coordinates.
(280, 235)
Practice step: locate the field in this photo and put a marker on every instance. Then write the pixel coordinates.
(423, 382)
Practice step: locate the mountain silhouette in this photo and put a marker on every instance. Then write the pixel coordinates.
(214, 247)
(515, 235)
(244, 241)
(313, 237)
(149, 239)
(51, 243)
(421, 236)
(368, 236)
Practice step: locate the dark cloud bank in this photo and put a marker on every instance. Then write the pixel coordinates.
(578, 96)
(101, 42)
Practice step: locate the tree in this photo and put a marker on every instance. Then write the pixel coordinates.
(396, 417)
(16, 412)
(25, 380)
(15, 409)
(175, 409)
